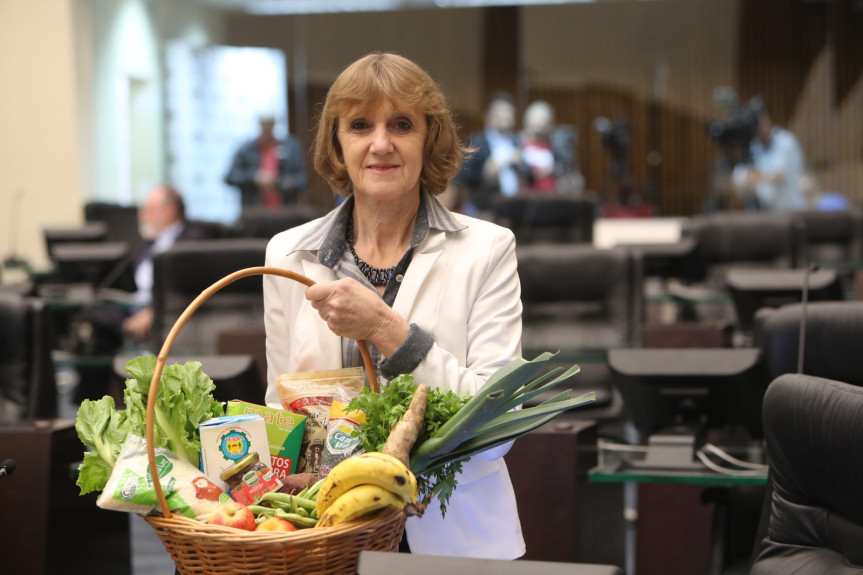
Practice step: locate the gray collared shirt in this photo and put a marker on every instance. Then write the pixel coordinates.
(327, 237)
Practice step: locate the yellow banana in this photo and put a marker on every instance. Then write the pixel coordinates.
(358, 502)
(367, 468)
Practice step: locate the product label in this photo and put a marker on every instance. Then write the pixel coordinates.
(254, 485)
(281, 465)
(234, 444)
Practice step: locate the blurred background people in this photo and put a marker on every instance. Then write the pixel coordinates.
(267, 170)
(537, 151)
(492, 170)
(775, 172)
(109, 326)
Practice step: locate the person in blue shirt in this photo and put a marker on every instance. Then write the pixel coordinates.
(777, 167)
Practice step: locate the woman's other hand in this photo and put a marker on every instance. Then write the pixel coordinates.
(354, 311)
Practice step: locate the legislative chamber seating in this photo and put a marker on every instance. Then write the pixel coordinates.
(813, 522)
(547, 218)
(186, 270)
(27, 381)
(828, 238)
(725, 242)
(265, 222)
(580, 301)
(833, 331)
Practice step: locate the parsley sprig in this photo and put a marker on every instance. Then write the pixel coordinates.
(383, 410)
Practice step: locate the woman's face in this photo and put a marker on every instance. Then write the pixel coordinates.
(382, 147)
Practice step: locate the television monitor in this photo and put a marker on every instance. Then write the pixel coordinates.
(92, 263)
(678, 395)
(91, 232)
(755, 288)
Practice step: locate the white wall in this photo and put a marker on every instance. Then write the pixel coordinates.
(40, 152)
(129, 153)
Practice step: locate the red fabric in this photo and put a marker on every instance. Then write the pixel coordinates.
(270, 165)
(544, 179)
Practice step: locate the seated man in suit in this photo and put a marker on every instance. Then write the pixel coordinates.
(161, 222)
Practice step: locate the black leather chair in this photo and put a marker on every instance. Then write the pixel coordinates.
(833, 332)
(740, 239)
(727, 241)
(547, 218)
(827, 237)
(264, 222)
(27, 382)
(577, 297)
(187, 269)
(753, 289)
(814, 523)
(580, 301)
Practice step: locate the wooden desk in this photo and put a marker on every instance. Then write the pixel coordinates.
(563, 518)
(47, 527)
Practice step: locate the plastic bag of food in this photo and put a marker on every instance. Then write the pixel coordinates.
(310, 393)
(130, 488)
(341, 424)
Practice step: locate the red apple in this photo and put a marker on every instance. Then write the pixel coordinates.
(233, 514)
(275, 524)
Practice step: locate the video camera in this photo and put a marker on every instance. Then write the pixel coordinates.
(738, 129)
(615, 136)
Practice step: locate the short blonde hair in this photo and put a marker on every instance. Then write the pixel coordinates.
(382, 76)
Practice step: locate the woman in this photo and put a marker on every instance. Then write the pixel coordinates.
(432, 293)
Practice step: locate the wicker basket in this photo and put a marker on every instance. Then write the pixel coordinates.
(198, 548)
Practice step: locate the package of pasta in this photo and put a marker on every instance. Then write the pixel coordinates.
(341, 442)
(311, 393)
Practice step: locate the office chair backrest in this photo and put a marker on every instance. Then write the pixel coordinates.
(812, 429)
(834, 331)
(576, 296)
(264, 222)
(27, 389)
(187, 269)
(741, 239)
(827, 235)
(547, 218)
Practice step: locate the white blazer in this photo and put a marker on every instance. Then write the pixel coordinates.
(462, 288)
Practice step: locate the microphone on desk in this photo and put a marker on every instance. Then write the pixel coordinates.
(801, 347)
(7, 468)
(12, 260)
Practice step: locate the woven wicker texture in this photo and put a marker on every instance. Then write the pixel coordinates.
(198, 548)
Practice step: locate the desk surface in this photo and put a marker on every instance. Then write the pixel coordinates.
(613, 468)
(381, 563)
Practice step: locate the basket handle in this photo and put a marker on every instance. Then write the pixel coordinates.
(172, 335)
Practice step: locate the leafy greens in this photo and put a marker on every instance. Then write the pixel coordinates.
(384, 410)
(183, 401)
(456, 427)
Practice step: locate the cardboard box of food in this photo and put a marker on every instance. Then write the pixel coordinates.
(226, 440)
(284, 432)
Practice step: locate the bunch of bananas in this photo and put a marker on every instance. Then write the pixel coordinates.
(363, 484)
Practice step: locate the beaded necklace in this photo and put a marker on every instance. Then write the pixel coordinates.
(376, 276)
